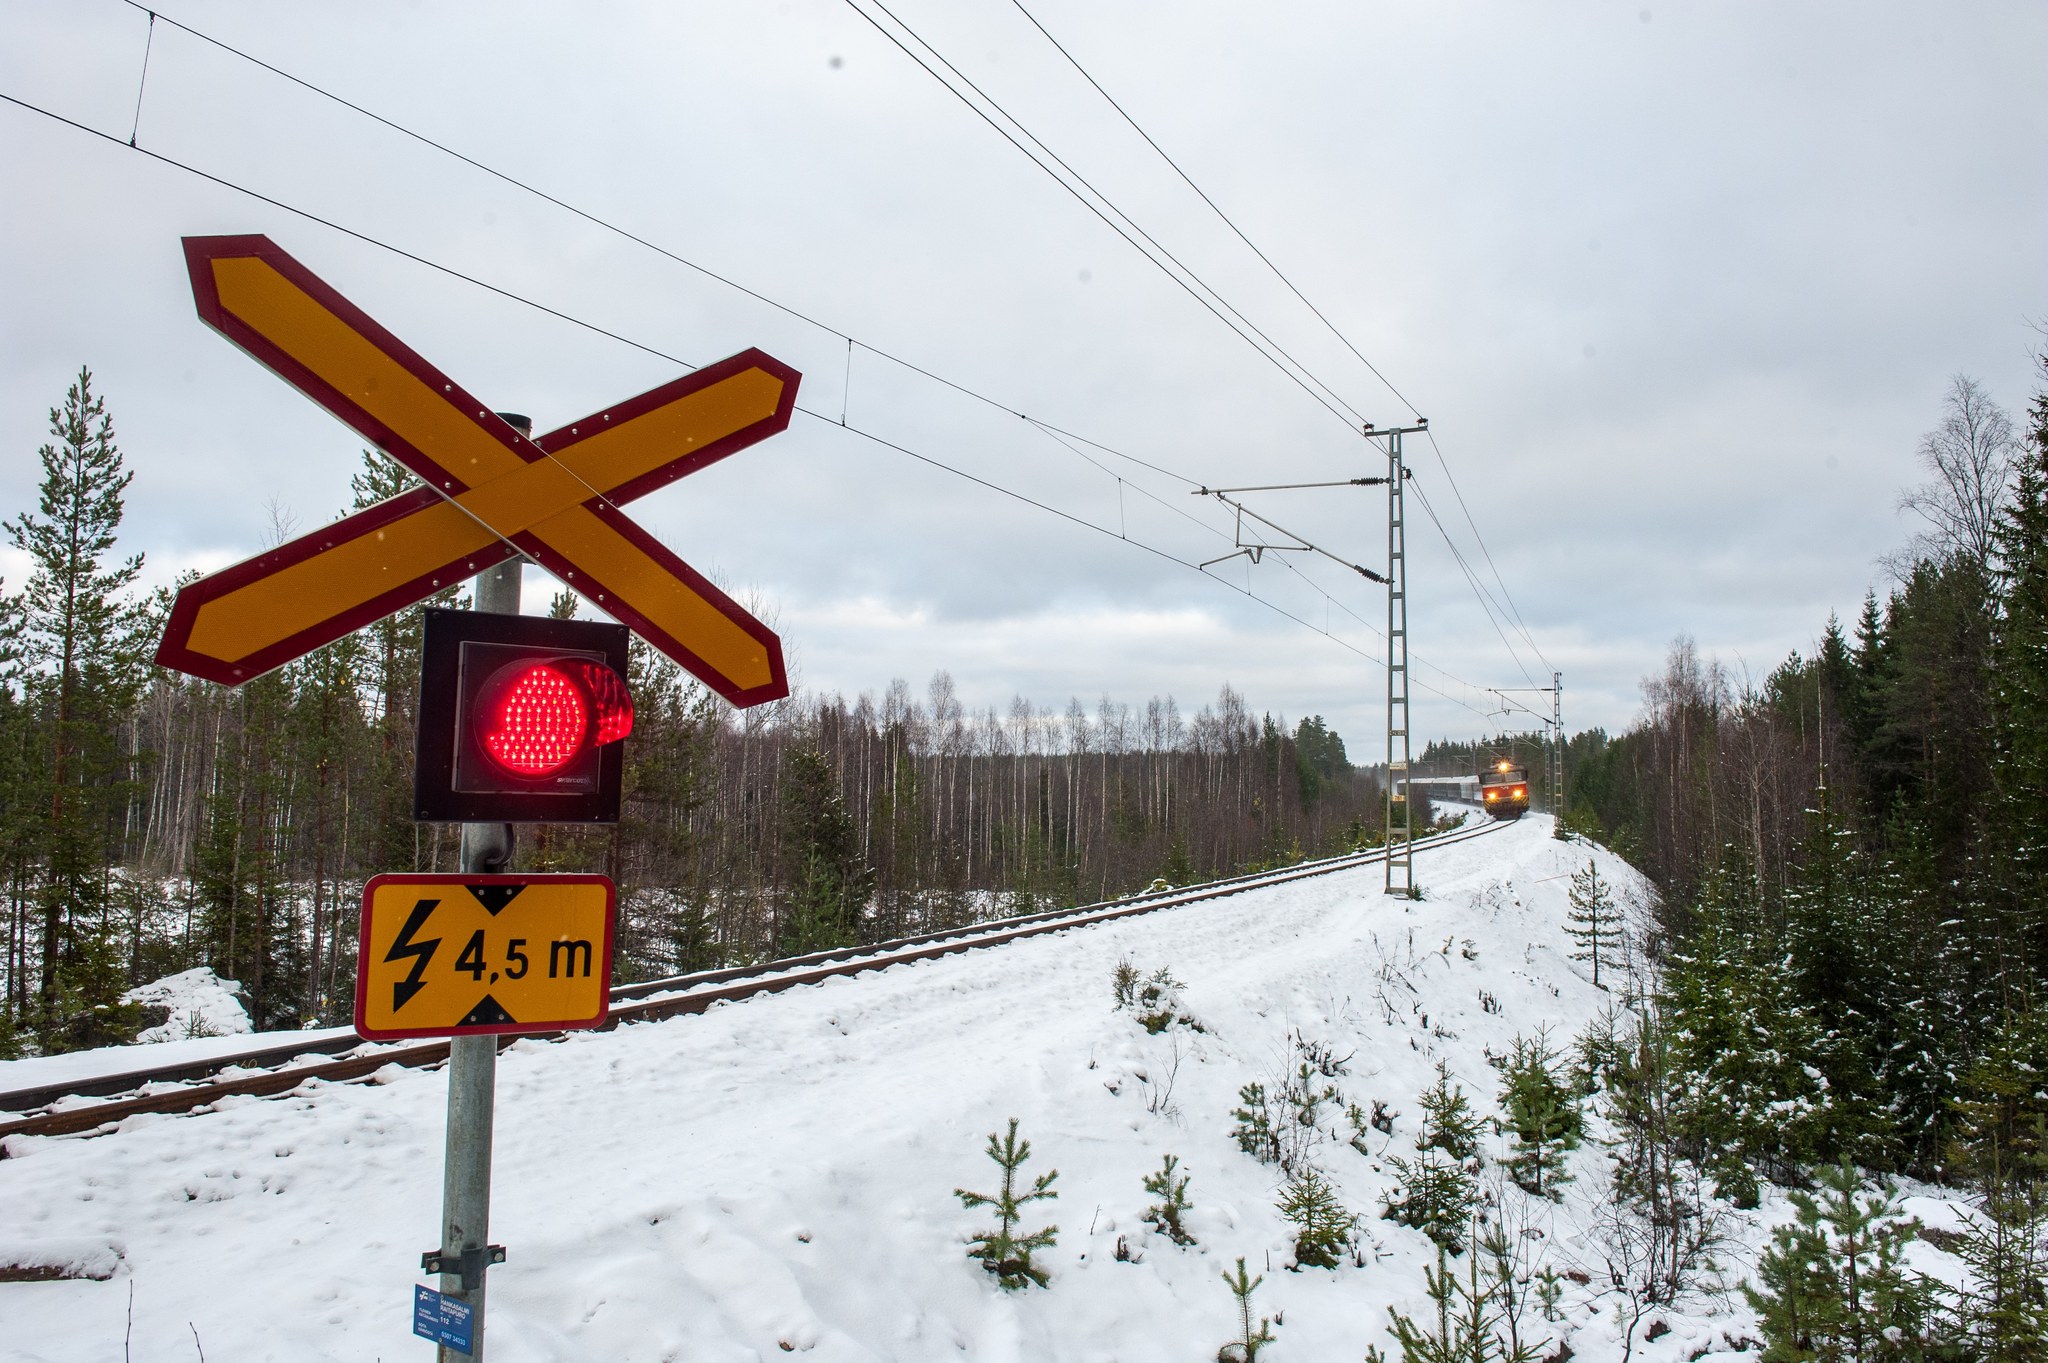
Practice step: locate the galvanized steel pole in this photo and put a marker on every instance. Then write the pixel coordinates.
(473, 1060)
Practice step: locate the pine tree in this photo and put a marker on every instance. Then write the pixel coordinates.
(1595, 920)
(81, 636)
(1172, 1192)
(1833, 1283)
(1464, 1328)
(1245, 1348)
(1322, 1227)
(1254, 1131)
(1002, 1251)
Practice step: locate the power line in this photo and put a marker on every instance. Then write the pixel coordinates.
(627, 234)
(1214, 207)
(666, 253)
(513, 296)
(1513, 610)
(1292, 368)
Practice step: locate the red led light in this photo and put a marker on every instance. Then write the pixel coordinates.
(536, 721)
(538, 716)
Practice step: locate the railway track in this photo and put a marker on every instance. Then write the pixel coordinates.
(66, 1109)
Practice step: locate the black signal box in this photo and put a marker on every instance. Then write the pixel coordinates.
(520, 719)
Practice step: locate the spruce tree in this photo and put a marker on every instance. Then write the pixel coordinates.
(1003, 1252)
(829, 879)
(1435, 1191)
(2002, 1148)
(1322, 1227)
(2019, 700)
(1595, 920)
(81, 637)
(1741, 1046)
(1543, 1121)
(1833, 1282)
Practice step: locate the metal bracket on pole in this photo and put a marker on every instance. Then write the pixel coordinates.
(469, 1264)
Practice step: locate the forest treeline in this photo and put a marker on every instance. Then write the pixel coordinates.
(151, 822)
(1852, 853)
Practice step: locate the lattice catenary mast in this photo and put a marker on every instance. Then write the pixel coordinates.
(1400, 862)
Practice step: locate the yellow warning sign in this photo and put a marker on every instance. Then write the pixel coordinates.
(449, 955)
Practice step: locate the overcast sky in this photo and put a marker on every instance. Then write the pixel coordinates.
(1679, 288)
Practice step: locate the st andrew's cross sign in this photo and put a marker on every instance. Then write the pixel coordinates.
(490, 491)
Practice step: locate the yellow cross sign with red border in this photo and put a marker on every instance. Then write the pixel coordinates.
(449, 955)
(490, 491)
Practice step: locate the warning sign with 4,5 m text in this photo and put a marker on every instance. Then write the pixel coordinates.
(451, 955)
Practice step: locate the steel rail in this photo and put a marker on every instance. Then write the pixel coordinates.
(642, 1001)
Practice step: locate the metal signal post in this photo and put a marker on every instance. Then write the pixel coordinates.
(466, 1250)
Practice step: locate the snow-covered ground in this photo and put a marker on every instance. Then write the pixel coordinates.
(206, 1020)
(777, 1176)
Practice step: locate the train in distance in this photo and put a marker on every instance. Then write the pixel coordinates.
(1504, 790)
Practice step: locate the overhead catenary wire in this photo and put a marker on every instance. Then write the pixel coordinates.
(851, 341)
(1514, 611)
(824, 418)
(766, 299)
(1180, 274)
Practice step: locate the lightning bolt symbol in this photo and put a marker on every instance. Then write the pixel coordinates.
(420, 952)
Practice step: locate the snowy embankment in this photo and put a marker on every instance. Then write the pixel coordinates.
(203, 1020)
(777, 1175)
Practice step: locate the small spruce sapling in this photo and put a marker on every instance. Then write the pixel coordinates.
(1543, 1121)
(1437, 1189)
(1254, 1130)
(1245, 1348)
(1172, 1192)
(1322, 1228)
(1002, 1251)
(1448, 1122)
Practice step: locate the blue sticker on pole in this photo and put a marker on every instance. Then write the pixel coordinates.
(443, 1319)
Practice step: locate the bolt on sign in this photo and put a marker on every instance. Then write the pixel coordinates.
(455, 954)
(490, 492)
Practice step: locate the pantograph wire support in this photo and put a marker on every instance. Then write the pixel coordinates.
(1556, 722)
(1256, 551)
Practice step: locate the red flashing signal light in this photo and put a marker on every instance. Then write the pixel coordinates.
(535, 716)
(520, 719)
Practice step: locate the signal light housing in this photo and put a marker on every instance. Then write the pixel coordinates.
(520, 719)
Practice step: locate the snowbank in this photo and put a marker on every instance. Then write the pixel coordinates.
(199, 1002)
(777, 1176)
